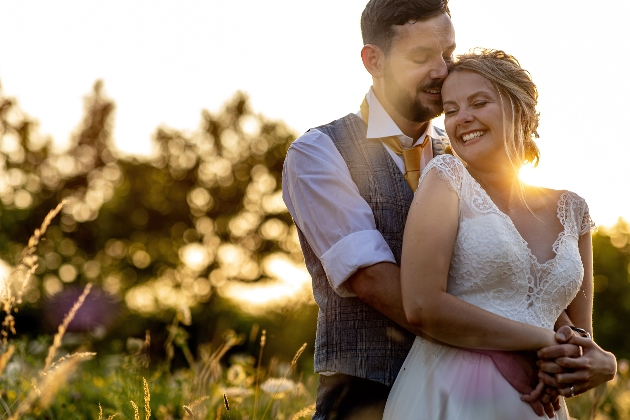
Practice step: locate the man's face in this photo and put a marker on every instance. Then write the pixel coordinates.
(416, 66)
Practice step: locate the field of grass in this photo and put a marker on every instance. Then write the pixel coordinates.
(41, 379)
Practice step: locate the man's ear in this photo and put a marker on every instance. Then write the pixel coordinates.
(373, 60)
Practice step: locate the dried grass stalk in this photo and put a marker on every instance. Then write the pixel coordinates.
(293, 363)
(4, 359)
(100, 412)
(305, 412)
(263, 340)
(51, 382)
(136, 414)
(70, 356)
(19, 276)
(112, 416)
(210, 370)
(189, 412)
(297, 355)
(195, 403)
(147, 399)
(48, 386)
(147, 348)
(64, 326)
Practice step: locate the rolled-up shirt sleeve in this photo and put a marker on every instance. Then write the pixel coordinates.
(326, 206)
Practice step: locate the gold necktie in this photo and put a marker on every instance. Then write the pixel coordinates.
(411, 156)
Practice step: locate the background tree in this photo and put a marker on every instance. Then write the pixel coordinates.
(158, 235)
(180, 230)
(611, 309)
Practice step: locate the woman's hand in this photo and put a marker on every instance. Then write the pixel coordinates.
(578, 362)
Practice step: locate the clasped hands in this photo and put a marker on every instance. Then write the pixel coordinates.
(543, 376)
(574, 366)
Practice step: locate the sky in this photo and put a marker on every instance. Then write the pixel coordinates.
(162, 62)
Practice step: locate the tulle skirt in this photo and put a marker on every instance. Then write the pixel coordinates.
(438, 382)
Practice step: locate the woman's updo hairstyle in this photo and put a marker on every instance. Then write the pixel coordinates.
(512, 82)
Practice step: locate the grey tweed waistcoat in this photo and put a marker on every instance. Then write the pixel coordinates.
(352, 338)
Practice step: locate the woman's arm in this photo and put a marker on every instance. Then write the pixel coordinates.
(580, 310)
(591, 365)
(428, 243)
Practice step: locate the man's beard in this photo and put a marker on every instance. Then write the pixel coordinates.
(411, 108)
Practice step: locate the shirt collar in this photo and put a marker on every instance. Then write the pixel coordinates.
(380, 124)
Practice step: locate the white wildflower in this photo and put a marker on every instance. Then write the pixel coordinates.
(278, 385)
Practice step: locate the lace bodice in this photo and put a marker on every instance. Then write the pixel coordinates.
(492, 266)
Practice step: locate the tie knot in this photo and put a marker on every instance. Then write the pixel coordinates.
(411, 157)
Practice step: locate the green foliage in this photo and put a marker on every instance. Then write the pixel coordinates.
(611, 309)
(170, 231)
(115, 381)
(607, 402)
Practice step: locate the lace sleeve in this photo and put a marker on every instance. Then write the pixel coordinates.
(587, 223)
(449, 168)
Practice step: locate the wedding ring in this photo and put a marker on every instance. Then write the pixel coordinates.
(572, 392)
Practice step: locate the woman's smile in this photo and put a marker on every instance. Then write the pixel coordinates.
(472, 135)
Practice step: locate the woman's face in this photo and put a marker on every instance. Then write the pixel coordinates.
(473, 118)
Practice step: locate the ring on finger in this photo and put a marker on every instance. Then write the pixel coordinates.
(572, 391)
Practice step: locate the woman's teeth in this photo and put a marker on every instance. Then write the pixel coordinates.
(470, 136)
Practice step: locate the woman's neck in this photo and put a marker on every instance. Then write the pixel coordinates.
(503, 186)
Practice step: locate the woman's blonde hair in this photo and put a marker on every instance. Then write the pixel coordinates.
(514, 83)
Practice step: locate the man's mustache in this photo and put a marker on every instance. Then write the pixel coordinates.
(432, 85)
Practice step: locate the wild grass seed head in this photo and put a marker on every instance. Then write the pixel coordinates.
(15, 285)
(64, 326)
(147, 399)
(136, 414)
(189, 412)
(6, 356)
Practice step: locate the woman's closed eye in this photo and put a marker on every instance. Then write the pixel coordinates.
(450, 111)
(478, 104)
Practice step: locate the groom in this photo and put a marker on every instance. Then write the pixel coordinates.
(349, 185)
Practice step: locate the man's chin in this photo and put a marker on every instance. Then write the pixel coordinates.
(426, 115)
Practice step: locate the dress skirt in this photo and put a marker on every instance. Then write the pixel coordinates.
(439, 382)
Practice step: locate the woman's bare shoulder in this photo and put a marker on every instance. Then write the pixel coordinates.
(542, 198)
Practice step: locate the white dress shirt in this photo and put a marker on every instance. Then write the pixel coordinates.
(326, 205)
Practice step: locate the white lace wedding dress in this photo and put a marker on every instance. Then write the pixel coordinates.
(493, 268)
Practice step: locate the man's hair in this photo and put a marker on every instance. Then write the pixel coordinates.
(514, 84)
(380, 17)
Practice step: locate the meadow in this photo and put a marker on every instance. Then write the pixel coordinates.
(174, 287)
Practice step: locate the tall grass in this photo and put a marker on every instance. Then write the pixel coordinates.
(33, 386)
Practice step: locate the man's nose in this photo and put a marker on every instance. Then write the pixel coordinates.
(440, 71)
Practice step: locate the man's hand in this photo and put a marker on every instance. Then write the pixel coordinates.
(519, 369)
(577, 362)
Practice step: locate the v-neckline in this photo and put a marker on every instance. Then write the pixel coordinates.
(525, 243)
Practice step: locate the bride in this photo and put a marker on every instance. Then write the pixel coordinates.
(488, 262)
